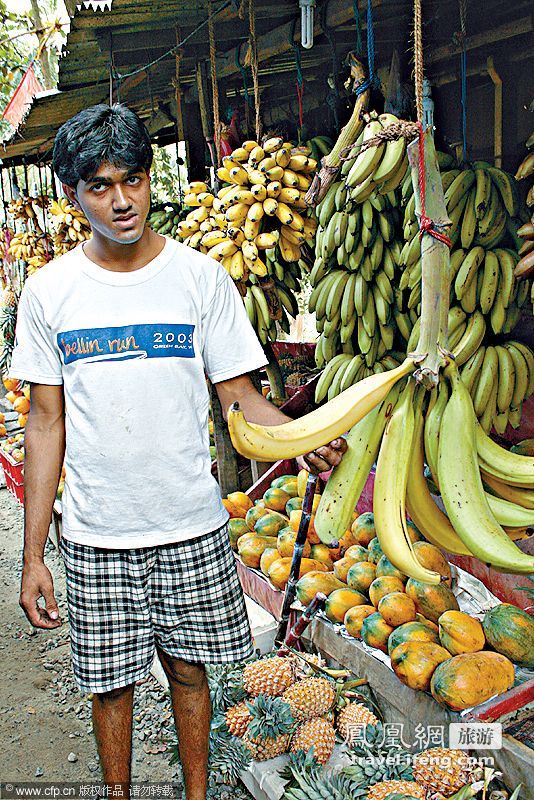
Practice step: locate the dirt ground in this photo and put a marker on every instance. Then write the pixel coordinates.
(46, 732)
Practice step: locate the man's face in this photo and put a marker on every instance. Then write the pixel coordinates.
(116, 202)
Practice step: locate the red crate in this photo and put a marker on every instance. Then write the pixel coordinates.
(14, 475)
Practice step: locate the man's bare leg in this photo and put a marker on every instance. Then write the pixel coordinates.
(112, 724)
(192, 714)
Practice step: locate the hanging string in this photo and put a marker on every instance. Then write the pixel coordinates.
(463, 75)
(246, 93)
(372, 81)
(300, 77)
(214, 85)
(333, 82)
(253, 50)
(426, 225)
(358, 21)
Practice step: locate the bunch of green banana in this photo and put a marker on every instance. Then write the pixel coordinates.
(357, 257)
(381, 166)
(319, 146)
(285, 282)
(166, 219)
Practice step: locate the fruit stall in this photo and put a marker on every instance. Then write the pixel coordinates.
(365, 168)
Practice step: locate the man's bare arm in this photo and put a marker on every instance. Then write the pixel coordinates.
(44, 444)
(257, 409)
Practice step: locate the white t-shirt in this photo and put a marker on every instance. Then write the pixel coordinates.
(132, 350)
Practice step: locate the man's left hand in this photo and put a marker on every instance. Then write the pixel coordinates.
(324, 458)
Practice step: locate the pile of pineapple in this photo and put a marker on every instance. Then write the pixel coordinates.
(292, 705)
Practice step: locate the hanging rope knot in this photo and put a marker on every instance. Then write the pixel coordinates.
(427, 225)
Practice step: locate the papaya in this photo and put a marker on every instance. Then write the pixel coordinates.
(375, 551)
(428, 622)
(260, 502)
(363, 528)
(375, 631)
(317, 581)
(268, 557)
(357, 553)
(412, 632)
(431, 601)
(236, 528)
(302, 479)
(397, 608)
(524, 448)
(346, 541)
(460, 633)
(286, 543)
(510, 631)
(361, 575)
(341, 568)
(294, 521)
(251, 548)
(235, 511)
(339, 602)
(414, 663)
(286, 482)
(240, 499)
(320, 552)
(253, 515)
(270, 524)
(293, 504)
(385, 567)
(280, 569)
(471, 678)
(432, 558)
(354, 619)
(382, 586)
(276, 499)
(413, 531)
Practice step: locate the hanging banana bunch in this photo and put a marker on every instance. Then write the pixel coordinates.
(258, 226)
(69, 224)
(525, 267)
(165, 220)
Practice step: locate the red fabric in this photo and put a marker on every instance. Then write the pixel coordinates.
(19, 105)
(426, 225)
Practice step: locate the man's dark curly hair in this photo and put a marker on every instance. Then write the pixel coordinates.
(114, 134)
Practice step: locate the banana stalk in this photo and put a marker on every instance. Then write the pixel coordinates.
(331, 163)
(435, 259)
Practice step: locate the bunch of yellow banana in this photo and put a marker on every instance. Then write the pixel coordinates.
(27, 208)
(35, 249)
(70, 225)
(166, 220)
(381, 166)
(397, 434)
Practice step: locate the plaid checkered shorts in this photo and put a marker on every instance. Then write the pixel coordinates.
(183, 597)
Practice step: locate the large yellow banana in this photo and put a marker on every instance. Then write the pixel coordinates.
(515, 494)
(432, 428)
(510, 514)
(462, 490)
(390, 491)
(291, 439)
(430, 519)
(510, 467)
(345, 484)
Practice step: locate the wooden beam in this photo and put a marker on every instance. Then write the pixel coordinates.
(490, 36)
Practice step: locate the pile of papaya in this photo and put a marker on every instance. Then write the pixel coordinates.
(433, 645)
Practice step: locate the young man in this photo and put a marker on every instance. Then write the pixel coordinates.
(116, 338)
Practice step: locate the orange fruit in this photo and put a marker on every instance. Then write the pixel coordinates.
(240, 499)
(12, 396)
(26, 390)
(11, 384)
(22, 405)
(3, 430)
(2, 418)
(23, 418)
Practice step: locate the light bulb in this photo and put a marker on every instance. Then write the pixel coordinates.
(306, 19)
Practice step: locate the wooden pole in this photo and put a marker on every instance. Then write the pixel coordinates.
(227, 467)
(497, 112)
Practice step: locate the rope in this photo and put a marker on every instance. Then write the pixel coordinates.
(214, 85)
(426, 225)
(418, 58)
(246, 93)
(358, 21)
(333, 94)
(372, 81)
(463, 75)
(300, 77)
(253, 47)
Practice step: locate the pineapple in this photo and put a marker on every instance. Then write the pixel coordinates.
(351, 718)
(444, 770)
(268, 676)
(237, 719)
(269, 731)
(310, 697)
(316, 733)
(302, 670)
(410, 788)
(9, 298)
